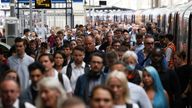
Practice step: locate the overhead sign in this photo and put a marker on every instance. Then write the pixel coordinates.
(42, 4)
(25, 1)
(102, 3)
(53, 1)
(5, 1)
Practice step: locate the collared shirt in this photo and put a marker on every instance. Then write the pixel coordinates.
(27, 105)
(27, 37)
(134, 105)
(76, 72)
(16, 105)
(139, 48)
(139, 96)
(94, 82)
(21, 67)
(69, 38)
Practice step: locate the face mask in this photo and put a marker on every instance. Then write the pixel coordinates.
(130, 67)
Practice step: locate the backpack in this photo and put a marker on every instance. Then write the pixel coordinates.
(128, 105)
(21, 104)
(60, 77)
(69, 70)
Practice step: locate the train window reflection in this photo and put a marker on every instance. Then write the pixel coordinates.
(190, 46)
(4, 49)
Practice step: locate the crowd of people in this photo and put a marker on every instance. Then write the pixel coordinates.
(102, 65)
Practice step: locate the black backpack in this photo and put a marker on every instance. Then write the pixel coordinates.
(21, 104)
(69, 70)
(60, 77)
(128, 105)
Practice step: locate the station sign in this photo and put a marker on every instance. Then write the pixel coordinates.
(42, 4)
(5, 1)
(53, 1)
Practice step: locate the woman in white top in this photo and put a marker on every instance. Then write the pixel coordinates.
(117, 81)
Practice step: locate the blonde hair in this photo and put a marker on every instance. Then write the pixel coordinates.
(53, 84)
(122, 78)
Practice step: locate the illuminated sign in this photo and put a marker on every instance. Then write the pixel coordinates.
(42, 4)
(5, 1)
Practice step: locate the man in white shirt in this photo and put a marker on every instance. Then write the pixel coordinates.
(10, 93)
(42, 32)
(20, 62)
(77, 67)
(48, 61)
(69, 36)
(26, 35)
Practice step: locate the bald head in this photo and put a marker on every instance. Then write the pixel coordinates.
(89, 44)
(9, 92)
(73, 102)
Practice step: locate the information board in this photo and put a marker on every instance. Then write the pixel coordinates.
(5, 1)
(42, 4)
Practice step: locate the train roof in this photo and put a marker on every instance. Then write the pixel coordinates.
(156, 11)
(4, 49)
(180, 8)
(5, 45)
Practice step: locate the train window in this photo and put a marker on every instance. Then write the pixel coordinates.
(175, 28)
(143, 18)
(170, 24)
(133, 19)
(151, 18)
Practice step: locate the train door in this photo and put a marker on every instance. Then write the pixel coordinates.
(151, 18)
(189, 50)
(143, 19)
(175, 28)
(133, 19)
(158, 21)
(125, 19)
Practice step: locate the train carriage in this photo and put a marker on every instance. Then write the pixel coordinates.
(176, 20)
